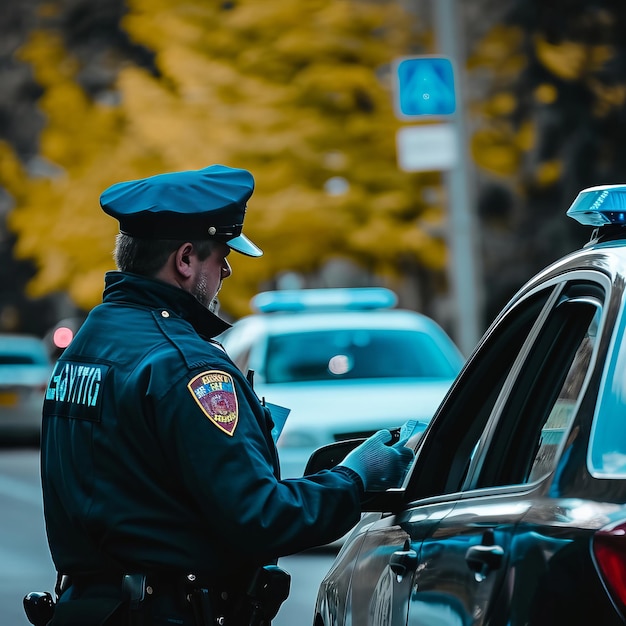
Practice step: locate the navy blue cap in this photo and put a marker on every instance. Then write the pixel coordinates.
(196, 204)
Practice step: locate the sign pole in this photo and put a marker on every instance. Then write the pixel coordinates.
(462, 236)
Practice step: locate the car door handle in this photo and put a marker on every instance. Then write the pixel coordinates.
(482, 559)
(403, 561)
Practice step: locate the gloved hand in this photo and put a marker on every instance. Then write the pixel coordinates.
(380, 466)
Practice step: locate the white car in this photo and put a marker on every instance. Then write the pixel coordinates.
(344, 361)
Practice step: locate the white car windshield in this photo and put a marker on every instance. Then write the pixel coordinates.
(354, 354)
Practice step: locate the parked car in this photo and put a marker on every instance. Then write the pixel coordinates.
(514, 511)
(344, 361)
(24, 370)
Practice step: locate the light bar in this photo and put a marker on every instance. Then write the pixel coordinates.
(353, 299)
(600, 206)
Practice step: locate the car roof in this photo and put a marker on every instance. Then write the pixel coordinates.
(21, 342)
(318, 320)
(28, 349)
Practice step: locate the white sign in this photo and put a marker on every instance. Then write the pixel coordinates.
(427, 148)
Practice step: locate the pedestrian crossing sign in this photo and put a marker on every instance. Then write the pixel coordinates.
(424, 85)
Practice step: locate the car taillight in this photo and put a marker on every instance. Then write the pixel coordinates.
(609, 548)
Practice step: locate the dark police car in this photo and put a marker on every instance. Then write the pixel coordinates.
(514, 511)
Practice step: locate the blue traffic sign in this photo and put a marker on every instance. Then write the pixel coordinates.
(425, 86)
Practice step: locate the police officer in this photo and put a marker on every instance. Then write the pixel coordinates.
(162, 496)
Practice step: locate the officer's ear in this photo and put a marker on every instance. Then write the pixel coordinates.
(182, 259)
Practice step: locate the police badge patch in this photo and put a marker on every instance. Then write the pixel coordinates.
(214, 391)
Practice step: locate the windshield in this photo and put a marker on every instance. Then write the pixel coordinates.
(354, 354)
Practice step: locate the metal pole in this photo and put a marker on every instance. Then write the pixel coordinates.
(463, 262)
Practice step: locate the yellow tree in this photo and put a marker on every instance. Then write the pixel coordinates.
(550, 124)
(296, 91)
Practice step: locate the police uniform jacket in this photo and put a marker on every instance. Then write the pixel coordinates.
(157, 454)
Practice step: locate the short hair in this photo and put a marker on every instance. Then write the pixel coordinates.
(147, 256)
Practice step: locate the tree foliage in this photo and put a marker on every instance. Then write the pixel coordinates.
(296, 91)
(551, 123)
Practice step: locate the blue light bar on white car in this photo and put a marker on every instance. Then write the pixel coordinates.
(600, 206)
(353, 299)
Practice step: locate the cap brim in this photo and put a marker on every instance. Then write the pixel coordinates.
(243, 245)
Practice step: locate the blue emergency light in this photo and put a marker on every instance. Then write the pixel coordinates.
(600, 206)
(347, 298)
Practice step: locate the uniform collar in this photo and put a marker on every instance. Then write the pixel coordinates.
(123, 287)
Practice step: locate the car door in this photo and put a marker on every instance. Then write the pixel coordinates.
(390, 554)
(443, 560)
(465, 560)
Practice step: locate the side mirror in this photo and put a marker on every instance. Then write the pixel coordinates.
(328, 456)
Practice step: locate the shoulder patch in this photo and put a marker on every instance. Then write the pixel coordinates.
(214, 391)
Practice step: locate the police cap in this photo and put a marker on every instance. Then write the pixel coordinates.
(209, 203)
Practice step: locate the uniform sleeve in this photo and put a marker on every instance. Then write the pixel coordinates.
(217, 435)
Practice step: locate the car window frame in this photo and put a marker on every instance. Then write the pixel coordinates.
(608, 397)
(507, 459)
(433, 453)
(553, 289)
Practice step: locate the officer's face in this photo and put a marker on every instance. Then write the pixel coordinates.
(211, 272)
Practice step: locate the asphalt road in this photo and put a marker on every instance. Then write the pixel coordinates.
(25, 563)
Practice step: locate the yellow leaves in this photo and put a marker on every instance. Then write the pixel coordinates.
(88, 285)
(501, 151)
(393, 231)
(386, 242)
(501, 105)
(500, 51)
(571, 60)
(546, 93)
(195, 77)
(548, 173)
(265, 21)
(608, 97)
(345, 89)
(57, 219)
(12, 175)
(525, 137)
(76, 126)
(495, 150)
(565, 60)
(290, 90)
(160, 125)
(45, 52)
(155, 24)
(77, 235)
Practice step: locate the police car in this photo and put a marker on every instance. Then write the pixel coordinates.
(346, 362)
(514, 511)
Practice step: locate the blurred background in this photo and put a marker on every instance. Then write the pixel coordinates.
(301, 92)
(452, 208)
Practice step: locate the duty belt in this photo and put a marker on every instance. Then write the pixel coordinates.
(212, 602)
(207, 600)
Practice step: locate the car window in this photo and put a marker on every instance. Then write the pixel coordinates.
(23, 352)
(555, 432)
(361, 353)
(534, 421)
(608, 438)
(450, 443)
(20, 359)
